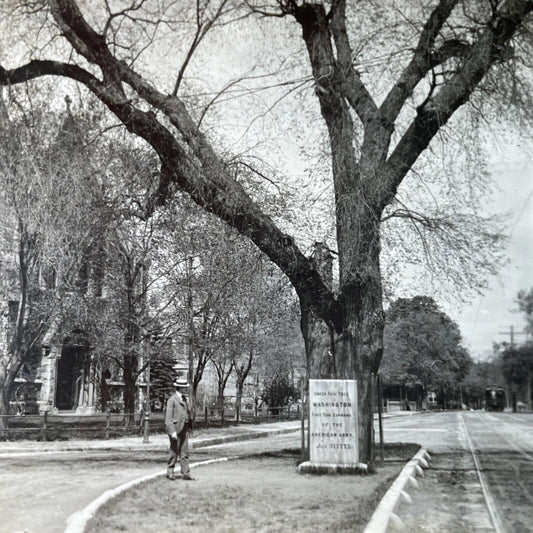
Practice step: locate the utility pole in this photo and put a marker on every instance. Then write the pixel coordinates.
(512, 334)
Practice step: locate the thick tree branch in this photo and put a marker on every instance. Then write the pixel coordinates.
(36, 69)
(350, 84)
(419, 65)
(486, 51)
(81, 36)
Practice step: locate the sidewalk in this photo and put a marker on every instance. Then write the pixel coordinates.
(157, 442)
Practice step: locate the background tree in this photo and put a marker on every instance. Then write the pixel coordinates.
(223, 364)
(278, 392)
(423, 345)
(162, 374)
(263, 312)
(479, 377)
(203, 264)
(525, 304)
(445, 53)
(285, 363)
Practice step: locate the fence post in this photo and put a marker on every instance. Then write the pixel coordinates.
(380, 419)
(373, 431)
(45, 424)
(206, 417)
(107, 422)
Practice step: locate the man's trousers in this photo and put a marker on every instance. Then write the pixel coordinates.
(179, 448)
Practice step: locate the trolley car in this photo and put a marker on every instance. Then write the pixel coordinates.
(494, 399)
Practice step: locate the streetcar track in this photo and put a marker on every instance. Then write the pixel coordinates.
(478, 481)
(513, 444)
(523, 419)
(511, 451)
(489, 501)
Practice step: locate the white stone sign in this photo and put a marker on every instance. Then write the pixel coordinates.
(333, 422)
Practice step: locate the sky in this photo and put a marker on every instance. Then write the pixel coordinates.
(490, 317)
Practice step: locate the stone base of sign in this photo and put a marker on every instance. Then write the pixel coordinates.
(308, 467)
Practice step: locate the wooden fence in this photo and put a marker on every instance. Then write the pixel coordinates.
(109, 425)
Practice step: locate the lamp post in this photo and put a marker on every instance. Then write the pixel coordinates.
(146, 438)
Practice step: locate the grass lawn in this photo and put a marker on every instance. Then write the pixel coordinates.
(263, 493)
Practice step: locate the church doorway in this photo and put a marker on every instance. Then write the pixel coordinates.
(70, 377)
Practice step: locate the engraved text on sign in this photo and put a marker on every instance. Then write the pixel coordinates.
(333, 421)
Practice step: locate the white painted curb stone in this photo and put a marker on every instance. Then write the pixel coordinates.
(77, 522)
(385, 513)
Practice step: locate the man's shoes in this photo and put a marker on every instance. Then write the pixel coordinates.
(189, 478)
(171, 477)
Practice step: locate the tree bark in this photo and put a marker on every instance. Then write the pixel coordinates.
(319, 336)
(529, 391)
(129, 376)
(238, 400)
(4, 398)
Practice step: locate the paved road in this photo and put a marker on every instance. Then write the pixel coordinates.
(481, 475)
(39, 491)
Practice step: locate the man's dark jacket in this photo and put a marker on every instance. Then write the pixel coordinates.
(178, 415)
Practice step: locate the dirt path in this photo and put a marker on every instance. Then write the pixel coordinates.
(39, 492)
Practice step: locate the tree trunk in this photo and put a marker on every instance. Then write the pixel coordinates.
(355, 351)
(7, 378)
(129, 372)
(357, 336)
(4, 398)
(104, 392)
(318, 336)
(319, 344)
(220, 394)
(529, 392)
(202, 358)
(220, 399)
(238, 399)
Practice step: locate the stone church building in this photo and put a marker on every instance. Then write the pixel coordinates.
(64, 371)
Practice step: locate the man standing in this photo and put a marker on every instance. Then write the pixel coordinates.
(178, 422)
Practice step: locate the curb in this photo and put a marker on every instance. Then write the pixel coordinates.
(214, 441)
(385, 513)
(77, 522)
